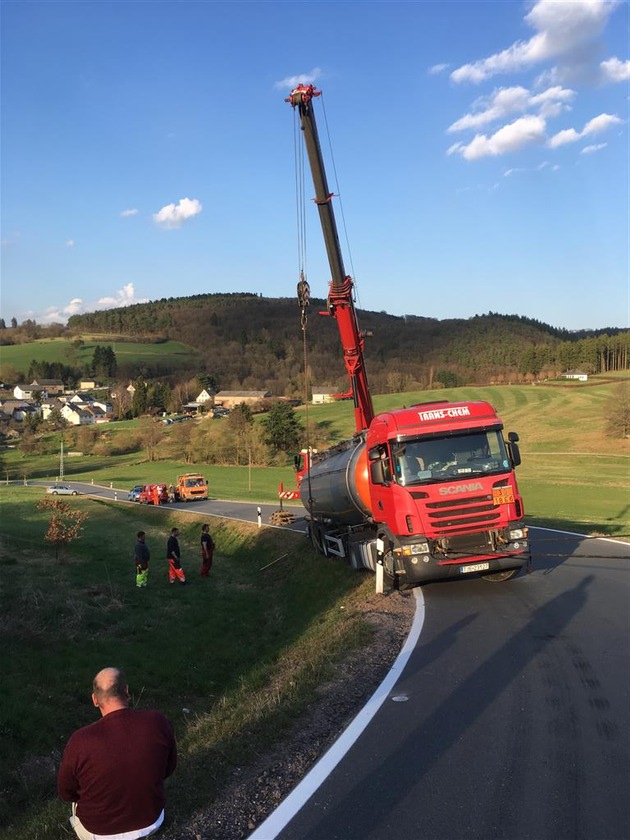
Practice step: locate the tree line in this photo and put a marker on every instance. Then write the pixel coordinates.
(247, 342)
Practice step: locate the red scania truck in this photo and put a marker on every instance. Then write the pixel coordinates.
(427, 491)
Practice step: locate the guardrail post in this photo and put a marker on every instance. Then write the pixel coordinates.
(380, 579)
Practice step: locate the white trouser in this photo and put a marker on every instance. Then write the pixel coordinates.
(83, 834)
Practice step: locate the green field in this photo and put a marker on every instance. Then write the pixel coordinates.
(173, 354)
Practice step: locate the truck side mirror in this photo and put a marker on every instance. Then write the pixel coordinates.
(513, 450)
(377, 472)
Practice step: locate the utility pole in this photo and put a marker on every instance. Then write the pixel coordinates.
(61, 460)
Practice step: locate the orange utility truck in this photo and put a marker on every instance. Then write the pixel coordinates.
(190, 487)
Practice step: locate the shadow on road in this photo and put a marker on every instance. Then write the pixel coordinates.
(467, 702)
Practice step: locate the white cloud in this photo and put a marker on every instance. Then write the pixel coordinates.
(437, 69)
(522, 132)
(174, 215)
(70, 243)
(291, 82)
(132, 212)
(614, 70)
(589, 150)
(60, 314)
(594, 126)
(505, 101)
(565, 33)
(123, 297)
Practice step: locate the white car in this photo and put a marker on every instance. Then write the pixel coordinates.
(61, 490)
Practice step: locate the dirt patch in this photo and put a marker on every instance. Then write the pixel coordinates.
(255, 791)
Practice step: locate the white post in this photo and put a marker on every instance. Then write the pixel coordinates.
(380, 579)
(115, 495)
(380, 566)
(259, 513)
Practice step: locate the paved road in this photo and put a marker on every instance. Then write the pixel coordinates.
(243, 511)
(510, 720)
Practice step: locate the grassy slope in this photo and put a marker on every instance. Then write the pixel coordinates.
(242, 651)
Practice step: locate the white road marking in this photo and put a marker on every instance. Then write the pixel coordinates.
(298, 797)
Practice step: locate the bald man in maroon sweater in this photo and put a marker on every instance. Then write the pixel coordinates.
(113, 770)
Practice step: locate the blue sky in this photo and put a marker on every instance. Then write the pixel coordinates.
(481, 150)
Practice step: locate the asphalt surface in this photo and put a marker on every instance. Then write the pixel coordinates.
(242, 511)
(510, 719)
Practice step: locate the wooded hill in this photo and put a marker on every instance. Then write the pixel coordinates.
(250, 342)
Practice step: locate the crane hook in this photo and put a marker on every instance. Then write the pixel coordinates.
(304, 297)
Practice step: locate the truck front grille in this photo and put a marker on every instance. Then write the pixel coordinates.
(453, 516)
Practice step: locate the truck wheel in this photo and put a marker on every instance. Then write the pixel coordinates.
(499, 577)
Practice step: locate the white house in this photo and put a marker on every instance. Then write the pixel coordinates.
(203, 397)
(77, 416)
(322, 395)
(579, 375)
(23, 392)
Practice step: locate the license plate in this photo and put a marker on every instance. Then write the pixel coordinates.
(474, 567)
(503, 496)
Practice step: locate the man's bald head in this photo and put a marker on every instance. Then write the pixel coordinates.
(109, 690)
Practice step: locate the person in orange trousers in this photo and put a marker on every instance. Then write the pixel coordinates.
(175, 571)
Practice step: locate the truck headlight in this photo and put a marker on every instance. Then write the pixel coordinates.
(517, 534)
(415, 548)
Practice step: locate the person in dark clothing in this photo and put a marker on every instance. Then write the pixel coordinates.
(207, 550)
(141, 556)
(113, 771)
(175, 571)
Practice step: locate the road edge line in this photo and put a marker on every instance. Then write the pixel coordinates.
(284, 813)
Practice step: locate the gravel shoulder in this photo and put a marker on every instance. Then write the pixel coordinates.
(255, 791)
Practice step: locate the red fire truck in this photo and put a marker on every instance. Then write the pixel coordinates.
(428, 491)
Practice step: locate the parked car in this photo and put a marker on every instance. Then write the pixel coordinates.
(61, 490)
(134, 493)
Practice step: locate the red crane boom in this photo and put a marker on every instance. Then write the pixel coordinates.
(340, 294)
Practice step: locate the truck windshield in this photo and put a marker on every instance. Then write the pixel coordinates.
(427, 460)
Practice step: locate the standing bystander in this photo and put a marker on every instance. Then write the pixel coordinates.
(141, 556)
(175, 571)
(207, 550)
(113, 770)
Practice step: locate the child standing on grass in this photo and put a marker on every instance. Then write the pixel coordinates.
(175, 571)
(141, 556)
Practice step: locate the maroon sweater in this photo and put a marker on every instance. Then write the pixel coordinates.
(114, 770)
